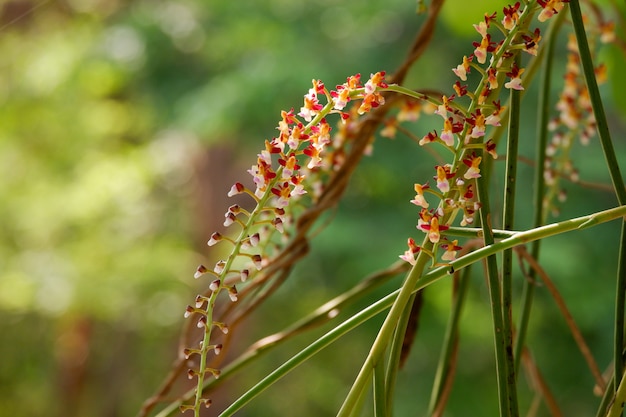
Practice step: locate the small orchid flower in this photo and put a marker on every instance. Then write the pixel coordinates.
(473, 162)
(434, 229)
(463, 69)
(409, 254)
(419, 199)
(516, 80)
(451, 249)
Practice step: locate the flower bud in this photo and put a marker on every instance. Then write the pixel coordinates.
(201, 270)
(222, 326)
(254, 239)
(215, 237)
(219, 267)
(232, 293)
(229, 219)
(237, 188)
(215, 285)
(200, 301)
(278, 224)
(244, 274)
(258, 262)
(188, 352)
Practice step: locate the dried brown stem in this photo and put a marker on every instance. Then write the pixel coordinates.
(540, 384)
(571, 323)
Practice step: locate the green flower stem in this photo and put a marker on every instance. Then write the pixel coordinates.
(614, 171)
(379, 390)
(386, 331)
(508, 217)
(449, 343)
(474, 232)
(620, 301)
(506, 387)
(539, 184)
(395, 354)
(607, 398)
(426, 280)
(616, 409)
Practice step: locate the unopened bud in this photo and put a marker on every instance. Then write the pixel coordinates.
(188, 352)
(232, 293)
(215, 285)
(219, 267)
(244, 275)
(215, 372)
(237, 188)
(222, 326)
(215, 237)
(278, 224)
(200, 301)
(258, 262)
(230, 219)
(201, 270)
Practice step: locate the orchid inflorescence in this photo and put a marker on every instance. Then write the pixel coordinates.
(465, 128)
(293, 164)
(575, 118)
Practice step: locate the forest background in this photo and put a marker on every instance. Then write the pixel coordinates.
(124, 124)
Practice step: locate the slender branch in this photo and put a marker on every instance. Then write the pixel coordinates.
(569, 319)
(447, 359)
(495, 296)
(539, 184)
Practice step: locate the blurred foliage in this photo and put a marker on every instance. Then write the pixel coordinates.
(107, 110)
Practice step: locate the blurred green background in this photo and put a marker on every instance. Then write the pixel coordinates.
(123, 125)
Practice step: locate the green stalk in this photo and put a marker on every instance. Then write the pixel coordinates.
(395, 353)
(508, 217)
(539, 184)
(617, 407)
(616, 178)
(620, 301)
(607, 399)
(427, 279)
(449, 342)
(506, 395)
(379, 390)
(386, 331)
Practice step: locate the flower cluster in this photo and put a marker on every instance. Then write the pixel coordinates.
(575, 118)
(291, 165)
(465, 129)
